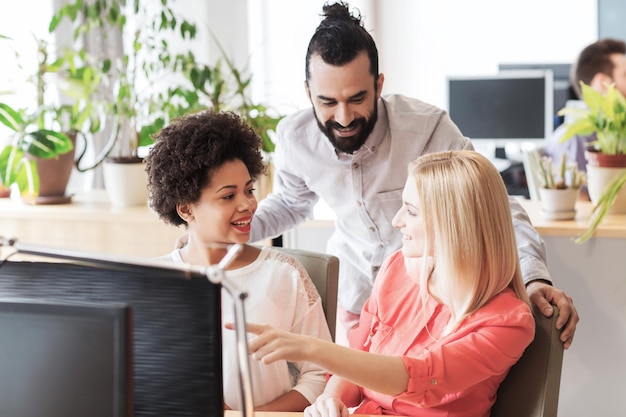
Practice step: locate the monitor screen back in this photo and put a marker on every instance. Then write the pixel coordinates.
(176, 327)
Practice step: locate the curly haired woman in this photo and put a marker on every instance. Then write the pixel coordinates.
(201, 174)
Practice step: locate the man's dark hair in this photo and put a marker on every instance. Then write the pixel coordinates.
(340, 37)
(596, 58)
(187, 152)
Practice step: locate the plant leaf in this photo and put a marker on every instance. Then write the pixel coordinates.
(580, 126)
(47, 144)
(10, 118)
(17, 169)
(592, 98)
(602, 207)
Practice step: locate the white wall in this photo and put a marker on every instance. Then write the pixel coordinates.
(456, 37)
(420, 42)
(23, 42)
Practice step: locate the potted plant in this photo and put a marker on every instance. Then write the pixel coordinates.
(604, 117)
(228, 89)
(32, 138)
(133, 95)
(560, 188)
(39, 157)
(190, 85)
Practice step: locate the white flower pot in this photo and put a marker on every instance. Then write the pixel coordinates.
(558, 204)
(126, 183)
(597, 180)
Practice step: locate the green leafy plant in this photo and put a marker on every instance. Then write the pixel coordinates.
(223, 86)
(601, 209)
(565, 176)
(30, 138)
(40, 131)
(191, 86)
(128, 98)
(604, 116)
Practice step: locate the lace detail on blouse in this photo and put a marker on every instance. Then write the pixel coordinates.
(307, 288)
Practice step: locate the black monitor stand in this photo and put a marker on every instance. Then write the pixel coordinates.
(500, 153)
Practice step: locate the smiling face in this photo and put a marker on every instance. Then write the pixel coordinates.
(344, 100)
(410, 221)
(226, 206)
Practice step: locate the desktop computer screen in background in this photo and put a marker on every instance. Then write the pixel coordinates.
(562, 87)
(503, 109)
(501, 114)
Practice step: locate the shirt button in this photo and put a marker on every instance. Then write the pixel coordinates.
(375, 268)
(380, 245)
(433, 381)
(355, 165)
(372, 228)
(358, 203)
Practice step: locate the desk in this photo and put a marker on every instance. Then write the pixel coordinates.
(613, 226)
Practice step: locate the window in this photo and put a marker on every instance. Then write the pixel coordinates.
(24, 22)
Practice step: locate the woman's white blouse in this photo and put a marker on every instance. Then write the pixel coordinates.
(280, 293)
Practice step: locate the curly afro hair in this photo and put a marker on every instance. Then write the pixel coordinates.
(189, 150)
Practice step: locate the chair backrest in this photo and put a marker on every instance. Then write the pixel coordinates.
(324, 272)
(531, 389)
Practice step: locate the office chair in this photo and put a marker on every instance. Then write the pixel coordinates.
(531, 389)
(324, 272)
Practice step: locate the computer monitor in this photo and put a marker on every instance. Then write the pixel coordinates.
(176, 325)
(563, 90)
(64, 359)
(503, 110)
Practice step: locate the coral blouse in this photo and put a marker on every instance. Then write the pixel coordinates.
(453, 375)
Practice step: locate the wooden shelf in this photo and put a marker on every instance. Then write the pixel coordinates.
(89, 223)
(613, 226)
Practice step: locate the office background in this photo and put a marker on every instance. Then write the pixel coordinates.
(420, 42)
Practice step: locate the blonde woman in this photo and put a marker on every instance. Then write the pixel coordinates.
(449, 314)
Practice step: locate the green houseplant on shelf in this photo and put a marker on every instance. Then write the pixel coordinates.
(179, 83)
(228, 89)
(560, 188)
(39, 155)
(604, 117)
(30, 137)
(133, 97)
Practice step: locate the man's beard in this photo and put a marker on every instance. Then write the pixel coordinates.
(353, 143)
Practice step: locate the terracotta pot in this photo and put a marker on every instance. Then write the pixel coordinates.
(599, 159)
(54, 174)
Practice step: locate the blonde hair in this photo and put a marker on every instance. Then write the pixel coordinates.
(469, 230)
